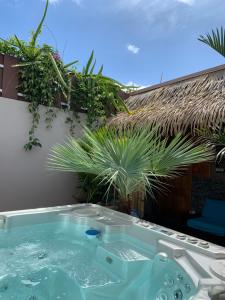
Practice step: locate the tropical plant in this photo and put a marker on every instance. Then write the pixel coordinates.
(95, 190)
(219, 139)
(214, 137)
(93, 92)
(38, 82)
(44, 79)
(215, 40)
(127, 160)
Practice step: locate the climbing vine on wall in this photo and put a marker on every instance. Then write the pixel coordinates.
(39, 87)
(46, 80)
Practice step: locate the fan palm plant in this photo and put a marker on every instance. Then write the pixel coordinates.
(127, 160)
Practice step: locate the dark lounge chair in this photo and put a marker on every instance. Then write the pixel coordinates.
(212, 219)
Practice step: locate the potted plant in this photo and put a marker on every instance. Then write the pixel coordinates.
(129, 160)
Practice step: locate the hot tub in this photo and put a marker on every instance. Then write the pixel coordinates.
(45, 254)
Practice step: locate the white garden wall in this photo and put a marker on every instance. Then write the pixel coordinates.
(25, 182)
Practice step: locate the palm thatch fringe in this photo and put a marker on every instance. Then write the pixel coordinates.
(181, 107)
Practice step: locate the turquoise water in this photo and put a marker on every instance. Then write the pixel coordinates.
(55, 261)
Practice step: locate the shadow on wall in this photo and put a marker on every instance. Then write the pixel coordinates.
(25, 181)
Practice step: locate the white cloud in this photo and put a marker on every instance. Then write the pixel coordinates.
(159, 17)
(188, 2)
(136, 85)
(132, 48)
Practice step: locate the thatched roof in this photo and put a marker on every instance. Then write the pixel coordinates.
(188, 103)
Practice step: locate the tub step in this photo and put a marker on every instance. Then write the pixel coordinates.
(122, 259)
(127, 264)
(125, 251)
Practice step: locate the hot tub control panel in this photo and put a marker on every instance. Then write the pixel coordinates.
(215, 250)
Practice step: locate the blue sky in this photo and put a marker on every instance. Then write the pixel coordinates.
(136, 40)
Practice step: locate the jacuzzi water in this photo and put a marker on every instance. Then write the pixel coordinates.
(54, 259)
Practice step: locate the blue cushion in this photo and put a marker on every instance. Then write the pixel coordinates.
(208, 225)
(215, 210)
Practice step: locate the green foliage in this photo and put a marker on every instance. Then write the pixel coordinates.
(97, 95)
(6, 47)
(214, 137)
(38, 82)
(39, 87)
(95, 190)
(127, 160)
(215, 40)
(44, 79)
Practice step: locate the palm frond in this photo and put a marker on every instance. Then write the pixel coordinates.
(216, 40)
(216, 138)
(127, 159)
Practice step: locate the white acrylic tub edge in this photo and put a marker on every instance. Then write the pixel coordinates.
(196, 260)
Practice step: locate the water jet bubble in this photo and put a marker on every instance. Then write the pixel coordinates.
(42, 255)
(187, 288)
(169, 281)
(180, 277)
